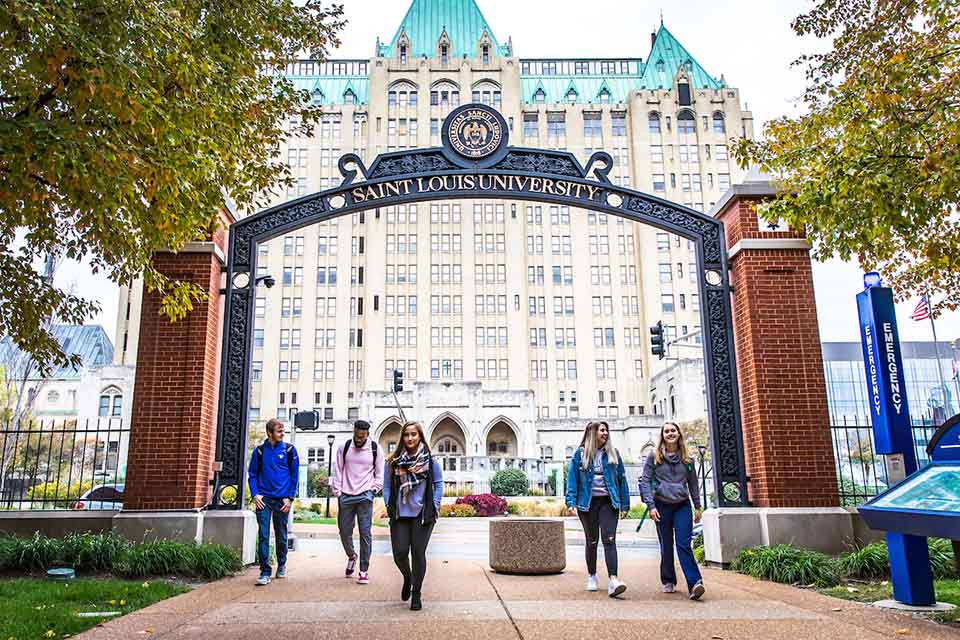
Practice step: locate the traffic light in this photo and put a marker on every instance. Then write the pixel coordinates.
(397, 381)
(657, 345)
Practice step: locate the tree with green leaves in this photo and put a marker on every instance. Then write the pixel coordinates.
(124, 126)
(872, 167)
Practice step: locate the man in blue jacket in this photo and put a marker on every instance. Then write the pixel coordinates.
(273, 473)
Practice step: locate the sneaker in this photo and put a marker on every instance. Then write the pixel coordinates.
(351, 565)
(281, 573)
(697, 591)
(263, 580)
(615, 588)
(363, 578)
(669, 588)
(592, 583)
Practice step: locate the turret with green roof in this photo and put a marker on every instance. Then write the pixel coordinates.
(427, 20)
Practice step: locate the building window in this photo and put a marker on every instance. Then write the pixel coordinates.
(618, 124)
(653, 122)
(686, 124)
(592, 125)
(719, 125)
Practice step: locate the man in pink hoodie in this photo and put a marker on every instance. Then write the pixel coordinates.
(358, 477)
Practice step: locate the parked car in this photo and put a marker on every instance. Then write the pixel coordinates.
(103, 496)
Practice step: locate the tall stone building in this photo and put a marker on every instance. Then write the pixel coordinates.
(513, 322)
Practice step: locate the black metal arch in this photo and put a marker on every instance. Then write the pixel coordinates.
(518, 174)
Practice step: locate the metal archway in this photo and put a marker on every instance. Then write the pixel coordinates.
(474, 166)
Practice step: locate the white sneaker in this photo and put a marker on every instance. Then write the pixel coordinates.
(592, 583)
(615, 587)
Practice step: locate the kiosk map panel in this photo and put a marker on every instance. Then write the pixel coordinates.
(936, 488)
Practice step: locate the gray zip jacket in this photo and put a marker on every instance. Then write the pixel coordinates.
(675, 481)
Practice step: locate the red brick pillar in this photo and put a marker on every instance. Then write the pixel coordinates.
(174, 422)
(786, 423)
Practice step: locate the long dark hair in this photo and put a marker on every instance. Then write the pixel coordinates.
(401, 447)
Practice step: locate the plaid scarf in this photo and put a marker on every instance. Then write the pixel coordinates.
(411, 469)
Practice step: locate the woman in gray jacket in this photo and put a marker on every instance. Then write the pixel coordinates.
(668, 485)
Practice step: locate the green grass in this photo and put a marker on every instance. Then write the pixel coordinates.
(946, 590)
(36, 609)
(306, 517)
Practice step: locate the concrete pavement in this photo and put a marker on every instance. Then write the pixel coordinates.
(464, 599)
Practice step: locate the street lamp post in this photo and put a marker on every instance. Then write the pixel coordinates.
(330, 439)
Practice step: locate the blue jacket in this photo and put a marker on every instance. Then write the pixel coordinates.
(580, 483)
(274, 471)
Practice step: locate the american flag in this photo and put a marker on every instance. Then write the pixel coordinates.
(922, 312)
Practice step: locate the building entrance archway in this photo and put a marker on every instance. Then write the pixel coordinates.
(476, 162)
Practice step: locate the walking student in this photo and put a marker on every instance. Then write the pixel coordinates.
(668, 485)
(272, 475)
(412, 491)
(597, 487)
(358, 477)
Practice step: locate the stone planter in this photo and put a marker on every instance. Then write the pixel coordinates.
(527, 546)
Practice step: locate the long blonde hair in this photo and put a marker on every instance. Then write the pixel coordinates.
(681, 445)
(400, 448)
(589, 445)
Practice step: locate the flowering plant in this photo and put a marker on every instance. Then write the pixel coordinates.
(485, 504)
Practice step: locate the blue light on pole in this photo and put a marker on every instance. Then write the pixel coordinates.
(871, 279)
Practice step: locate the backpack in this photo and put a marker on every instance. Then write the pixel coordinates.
(288, 449)
(373, 449)
(653, 484)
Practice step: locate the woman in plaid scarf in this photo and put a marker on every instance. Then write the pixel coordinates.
(412, 489)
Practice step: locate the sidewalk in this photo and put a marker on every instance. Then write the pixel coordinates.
(464, 599)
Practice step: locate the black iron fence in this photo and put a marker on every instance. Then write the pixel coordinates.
(861, 472)
(63, 464)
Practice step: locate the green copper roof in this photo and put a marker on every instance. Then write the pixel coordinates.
(587, 88)
(332, 90)
(426, 20)
(666, 57)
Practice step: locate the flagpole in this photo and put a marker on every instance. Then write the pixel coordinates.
(936, 351)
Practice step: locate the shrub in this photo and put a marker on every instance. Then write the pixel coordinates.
(485, 504)
(536, 491)
(509, 482)
(317, 507)
(318, 485)
(458, 491)
(865, 563)
(514, 508)
(942, 561)
(457, 511)
(787, 564)
(552, 481)
(699, 553)
(109, 552)
(637, 511)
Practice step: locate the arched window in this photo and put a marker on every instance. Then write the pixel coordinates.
(688, 65)
(686, 123)
(111, 403)
(448, 446)
(444, 53)
(445, 94)
(485, 54)
(673, 402)
(719, 124)
(349, 97)
(403, 53)
(539, 96)
(604, 96)
(317, 96)
(660, 66)
(548, 453)
(487, 93)
(572, 95)
(653, 122)
(402, 94)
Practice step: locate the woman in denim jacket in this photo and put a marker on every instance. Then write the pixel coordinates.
(597, 487)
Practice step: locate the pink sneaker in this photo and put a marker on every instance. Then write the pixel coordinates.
(351, 565)
(363, 578)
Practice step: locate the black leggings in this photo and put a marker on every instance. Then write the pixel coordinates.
(409, 538)
(602, 517)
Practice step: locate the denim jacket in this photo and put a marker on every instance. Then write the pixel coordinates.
(580, 483)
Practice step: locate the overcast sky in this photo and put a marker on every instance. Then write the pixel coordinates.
(748, 41)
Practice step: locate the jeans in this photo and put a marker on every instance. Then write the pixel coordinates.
(602, 518)
(362, 512)
(676, 518)
(409, 538)
(271, 510)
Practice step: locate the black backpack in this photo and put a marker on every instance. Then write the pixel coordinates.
(373, 448)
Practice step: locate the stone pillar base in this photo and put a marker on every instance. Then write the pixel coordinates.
(236, 529)
(146, 526)
(727, 531)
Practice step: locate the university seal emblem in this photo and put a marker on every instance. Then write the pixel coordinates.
(475, 131)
